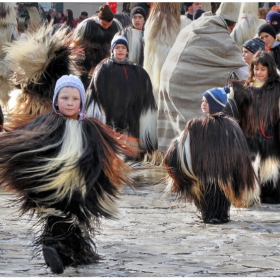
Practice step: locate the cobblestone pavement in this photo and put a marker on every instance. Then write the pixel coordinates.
(154, 238)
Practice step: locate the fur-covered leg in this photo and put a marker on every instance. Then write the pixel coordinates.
(69, 240)
(214, 206)
(270, 192)
(270, 180)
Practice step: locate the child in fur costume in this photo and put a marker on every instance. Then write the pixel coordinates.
(121, 95)
(255, 103)
(34, 64)
(93, 37)
(67, 170)
(209, 163)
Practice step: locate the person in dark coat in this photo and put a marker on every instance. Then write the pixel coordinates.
(121, 95)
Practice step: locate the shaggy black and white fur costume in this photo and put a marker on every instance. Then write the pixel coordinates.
(257, 110)
(122, 92)
(69, 173)
(95, 41)
(35, 63)
(209, 164)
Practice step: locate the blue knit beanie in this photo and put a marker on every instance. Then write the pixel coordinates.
(216, 98)
(254, 45)
(69, 81)
(119, 40)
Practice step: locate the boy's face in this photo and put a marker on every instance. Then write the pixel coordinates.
(268, 39)
(105, 24)
(247, 55)
(205, 106)
(69, 102)
(120, 52)
(138, 21)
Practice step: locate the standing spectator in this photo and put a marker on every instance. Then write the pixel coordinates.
(191, 8)
(146, 6)
(273, 18)
(134, 35)
(268, 35)
(60, 17)
(82, 16)
(250, 47)
(93, 36)
(69, 19)
(52, 15)
(197, 14)
(123, 92)
(275, 8)
(138, 17)
(262, 13)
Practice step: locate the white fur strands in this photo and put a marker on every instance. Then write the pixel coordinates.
(135, 43)
(161, 30)
(269, 170)
(8, 33)
(8, 24)
(36, 63)
(94, 111)
(247, 24)
(30, 57)
(148, 130)
(61, 173)
(66, 164)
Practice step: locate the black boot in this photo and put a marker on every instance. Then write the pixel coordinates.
(53, 259)
(215, 207)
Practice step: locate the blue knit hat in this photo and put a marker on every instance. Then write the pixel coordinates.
(254, 45)
(69, 81)
(216, 98)
(119, 40)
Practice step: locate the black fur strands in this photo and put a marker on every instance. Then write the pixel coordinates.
(37, 62)
(252, 115)
(214, 171)
(124, 19)
(69, 173)
(95, 41)
(71, 239)
(258, 110)
(127, 101)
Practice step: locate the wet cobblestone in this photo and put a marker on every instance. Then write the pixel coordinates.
(155, 237)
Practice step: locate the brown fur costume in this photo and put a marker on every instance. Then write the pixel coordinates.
(258, 114)
(36, 62)
(209, 164)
